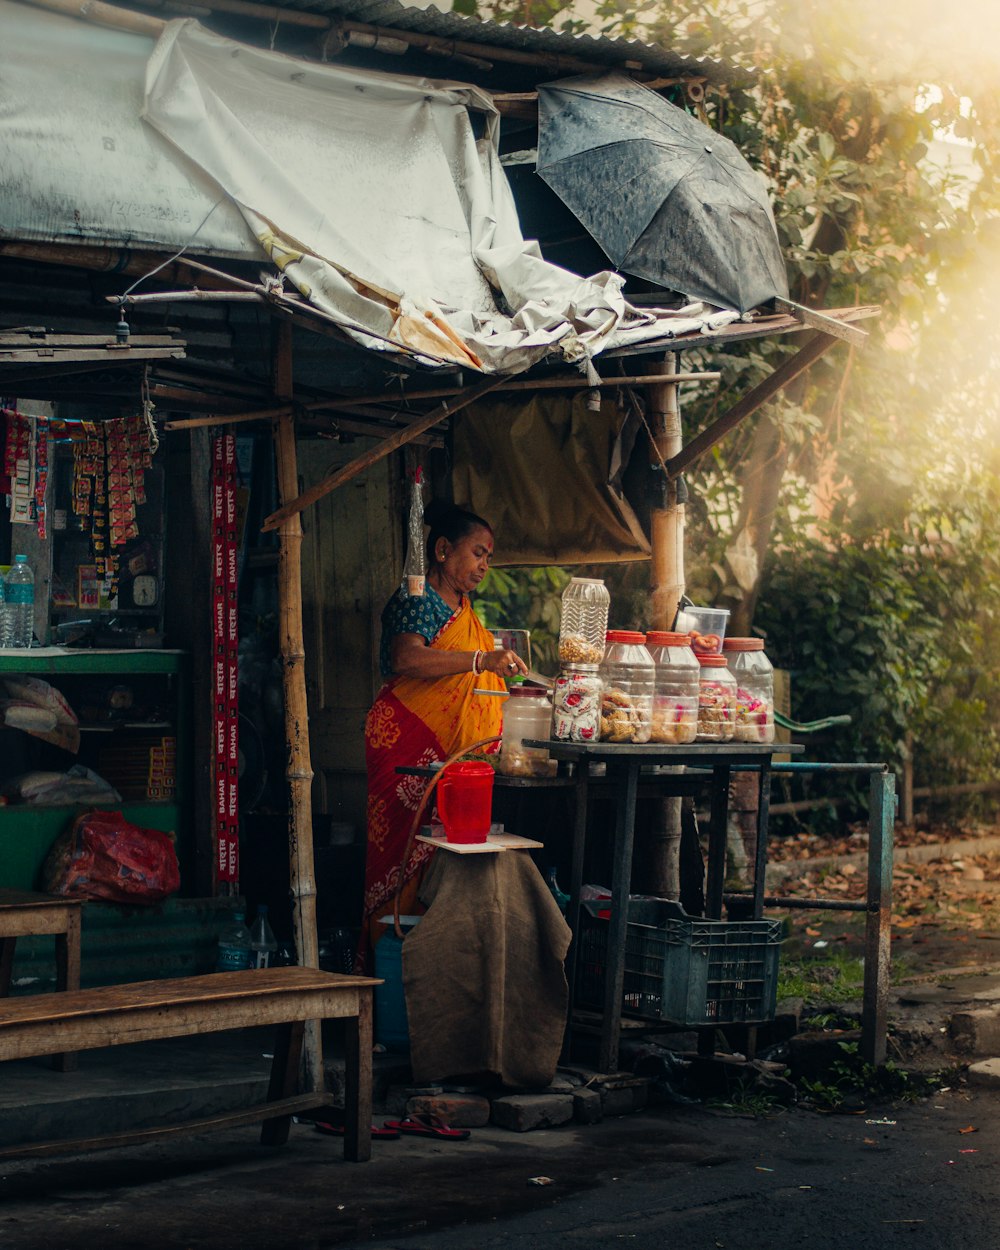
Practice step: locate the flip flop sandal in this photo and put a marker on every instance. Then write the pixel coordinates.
(427, 1126)
(338, 1130)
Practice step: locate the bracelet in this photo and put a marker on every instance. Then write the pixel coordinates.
(477, 662)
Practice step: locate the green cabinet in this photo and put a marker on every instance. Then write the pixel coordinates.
(162, 680)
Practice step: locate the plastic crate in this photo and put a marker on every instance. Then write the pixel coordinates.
(681, 968)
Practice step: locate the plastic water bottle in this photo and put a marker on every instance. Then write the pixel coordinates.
(19, 603)
(263, 943)
(561, 897)
(235, 953)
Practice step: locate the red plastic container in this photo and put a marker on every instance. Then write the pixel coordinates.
(465, 801)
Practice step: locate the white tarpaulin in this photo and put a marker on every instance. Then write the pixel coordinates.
(372, 194)
(370, 191)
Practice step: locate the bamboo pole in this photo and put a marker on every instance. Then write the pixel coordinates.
(666, 520)
(809, 352)
(368, 458)
(351, 404)
(298, 770)
(105, 15)
(667, 587)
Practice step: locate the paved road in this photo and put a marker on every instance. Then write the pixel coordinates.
(668, 1177)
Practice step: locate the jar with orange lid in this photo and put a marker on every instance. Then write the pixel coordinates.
(675, 687)
(754, 688)
(716, 700)
(628, 677)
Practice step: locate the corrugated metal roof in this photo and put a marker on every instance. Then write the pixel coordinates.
(596, 49)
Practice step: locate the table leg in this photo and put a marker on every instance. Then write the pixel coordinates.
(717, 830)
(358, 1082)
(7, 947)
(580, 798)
(68, 975)
(621, 880)
(284, 1080)
(760, 856)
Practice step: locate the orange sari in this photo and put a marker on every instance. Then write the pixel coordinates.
(415, 721)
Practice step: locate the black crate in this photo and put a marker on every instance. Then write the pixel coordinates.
(683, 969)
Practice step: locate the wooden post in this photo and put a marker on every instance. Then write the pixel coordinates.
(667, 586)
(298, 769)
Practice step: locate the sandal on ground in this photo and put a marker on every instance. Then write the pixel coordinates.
(339, 1130)
(417, 1125)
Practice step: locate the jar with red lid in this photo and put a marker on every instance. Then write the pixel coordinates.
(527, 714)
(629, 678)
(716, 700)
(675, 690)
(754, 688)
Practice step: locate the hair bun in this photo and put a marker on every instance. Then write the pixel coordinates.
(437, 511)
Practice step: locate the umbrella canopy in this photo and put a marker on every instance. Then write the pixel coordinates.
(666, 197)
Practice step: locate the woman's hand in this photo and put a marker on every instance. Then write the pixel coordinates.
(504, 663)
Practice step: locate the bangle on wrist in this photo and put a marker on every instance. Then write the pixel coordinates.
(477, 662)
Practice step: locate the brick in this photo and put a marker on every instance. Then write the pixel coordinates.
(587, 1106)
(976, 1032)
(986, 1073)
(622, 1099)
(458, 1110)
(524, 1112)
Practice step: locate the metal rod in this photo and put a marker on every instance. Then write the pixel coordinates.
(621, 880)
(793, 902)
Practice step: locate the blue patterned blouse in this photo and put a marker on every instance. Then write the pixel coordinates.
(425, 615)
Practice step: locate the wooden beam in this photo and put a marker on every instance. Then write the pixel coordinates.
(810, 352)
(817, 319)
(105, 15)
(298, 767)
(360, 463)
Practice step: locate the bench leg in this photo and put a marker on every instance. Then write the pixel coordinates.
(358, 1082)
(284, 1080)
(68, 976)
(7, 946)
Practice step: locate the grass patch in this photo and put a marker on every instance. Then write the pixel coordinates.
(836, 978)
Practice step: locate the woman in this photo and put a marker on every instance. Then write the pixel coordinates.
(435, 655)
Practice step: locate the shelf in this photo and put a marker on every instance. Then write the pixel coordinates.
(91, 660)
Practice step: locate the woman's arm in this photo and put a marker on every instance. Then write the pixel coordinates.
(412, 657)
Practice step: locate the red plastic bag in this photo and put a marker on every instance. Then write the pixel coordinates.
(104, 856)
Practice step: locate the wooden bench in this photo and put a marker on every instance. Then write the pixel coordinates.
(118, 1015)
(25, 914)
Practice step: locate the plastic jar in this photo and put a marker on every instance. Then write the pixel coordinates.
(716, 700)
(629, 678)
(576, 704)
(706, 627)
(527, 714)
(754, 688)
(675, 693)
(584, 621)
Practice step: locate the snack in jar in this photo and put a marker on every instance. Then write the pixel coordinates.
(527, 714)
(627, 699)
(576, 704)
(675, 692)
(583, 621)
(716, 700)
(754, 688)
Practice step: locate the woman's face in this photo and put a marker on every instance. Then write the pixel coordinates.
(467, 561)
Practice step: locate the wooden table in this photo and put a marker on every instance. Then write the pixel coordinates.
(704, 762)
(24, 914)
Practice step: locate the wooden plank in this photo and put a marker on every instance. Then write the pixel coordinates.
(137, 1137)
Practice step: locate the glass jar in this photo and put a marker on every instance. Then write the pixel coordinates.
(584, 621)
(629, 678)
(576, 704)
(527, 713)
(754, 688)
(675, 691)
(716, 700)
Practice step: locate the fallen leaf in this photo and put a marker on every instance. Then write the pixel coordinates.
(814, 932)
(969, 1128)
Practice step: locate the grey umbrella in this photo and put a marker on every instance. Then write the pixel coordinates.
(666, 197)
